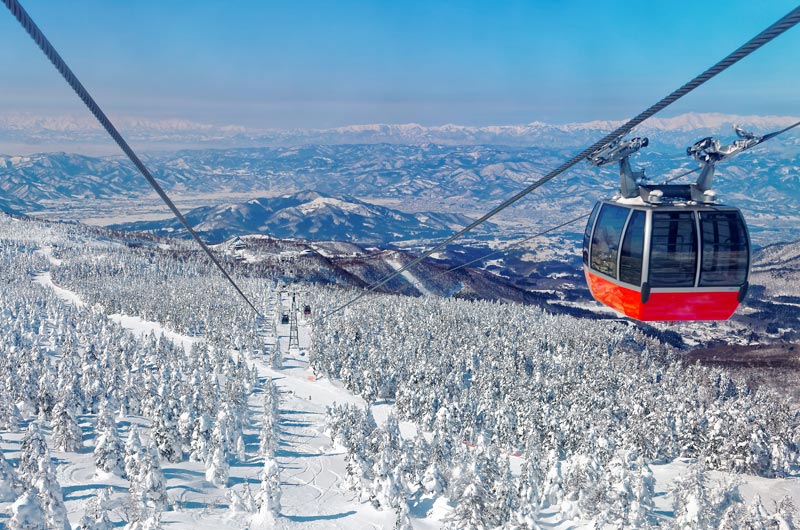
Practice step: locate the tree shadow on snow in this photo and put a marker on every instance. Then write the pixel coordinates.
(295, 454)
(183, 474)
(71, 493)
(310, 518)
(289, 412)
(284, 432)
(301, 424)
(235, 481)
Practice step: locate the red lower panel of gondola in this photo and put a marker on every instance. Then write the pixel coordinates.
(690, 305)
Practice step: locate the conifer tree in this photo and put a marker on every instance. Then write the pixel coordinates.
(268, 499)
(243, 502)
(32, 449)
(690, 500)
(109, 452)
(10, 416)
(267, 440)
(217, 467)
(133, 454)
(27, 513)
(386, 489)
(95, 516)
(165, 435)
(785, 512)
(149, 486)
(50, 495)
(402, 520)
(432, 480)
(470, 510)
(67, 434)
(201, 438)
(10, 483)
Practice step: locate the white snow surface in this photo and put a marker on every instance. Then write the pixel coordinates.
(312, 472)
(144, 327)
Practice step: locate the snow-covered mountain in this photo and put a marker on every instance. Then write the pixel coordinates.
(309, 215)
(464, 179)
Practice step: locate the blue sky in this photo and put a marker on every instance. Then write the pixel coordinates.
(328, 63)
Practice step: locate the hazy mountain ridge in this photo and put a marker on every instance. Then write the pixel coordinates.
(68, 129)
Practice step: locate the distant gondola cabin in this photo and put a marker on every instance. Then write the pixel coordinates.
(307, 310)
(285, 318)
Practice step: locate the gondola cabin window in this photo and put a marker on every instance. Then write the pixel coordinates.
(673, 249)
(630, 260)
(587, 234)
(606, 238)
(726, 249)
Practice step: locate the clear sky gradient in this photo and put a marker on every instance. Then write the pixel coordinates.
(302, 63)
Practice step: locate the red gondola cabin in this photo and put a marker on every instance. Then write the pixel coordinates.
(682, 261)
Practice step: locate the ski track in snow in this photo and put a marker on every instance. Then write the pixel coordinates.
(413, 280)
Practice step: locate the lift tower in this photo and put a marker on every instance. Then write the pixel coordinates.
(294, 338)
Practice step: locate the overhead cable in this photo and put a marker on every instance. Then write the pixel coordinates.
(773, 31)
(36, 34)
(584, 216)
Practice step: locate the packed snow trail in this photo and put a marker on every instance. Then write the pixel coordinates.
(314, 493)
(45, 280)
(410, 278)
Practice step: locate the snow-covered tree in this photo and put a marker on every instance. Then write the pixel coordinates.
(470, 509)
(95, 516)
(10, 416)
(109, 452)
(699, 505)
(433, 482)
(217, 467)
(402, 520)
(27, 513)
(386, 488)
(149, 486)
(10, 483)
(243, 502)
(50, 495)
(133, 454)
(32, 449)
(165, 433)
(150, 520)
(200, 443)
(67, 434)
(268, 498)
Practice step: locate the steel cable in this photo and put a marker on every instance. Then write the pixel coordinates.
(774, 30)
(36, 34)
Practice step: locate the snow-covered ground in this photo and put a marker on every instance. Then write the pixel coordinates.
(313, 472)
(314, 492)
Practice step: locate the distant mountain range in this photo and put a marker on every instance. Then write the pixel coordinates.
(52, 131)
(308, 215)
(457, 179)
